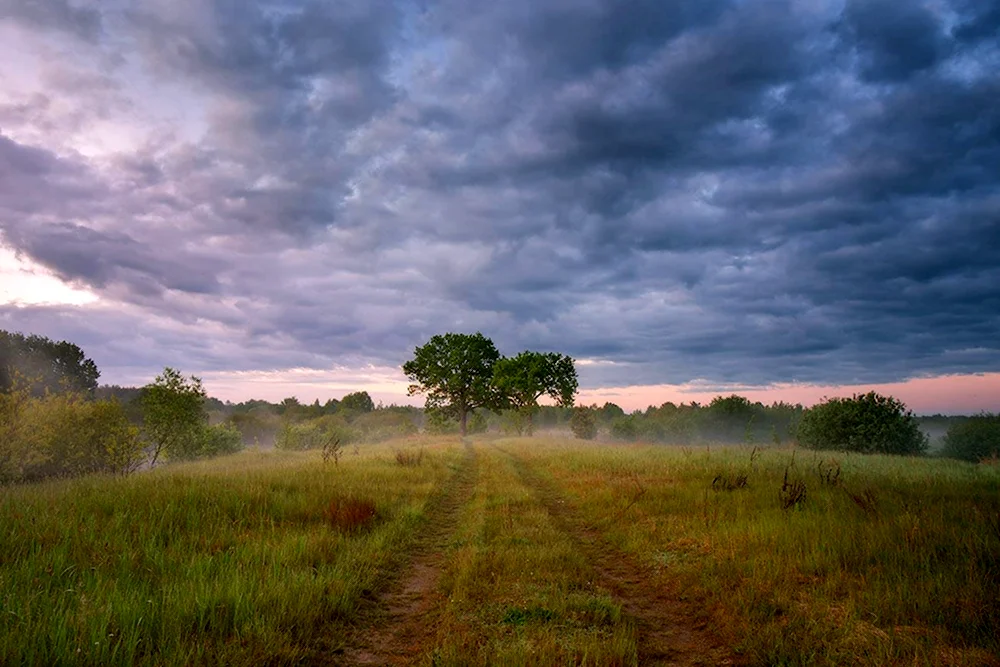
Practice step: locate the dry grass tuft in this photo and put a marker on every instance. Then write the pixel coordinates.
(409, 457)
(730, 481)
(792, 493)
(350, 514)
(829, 472)
(866, 500)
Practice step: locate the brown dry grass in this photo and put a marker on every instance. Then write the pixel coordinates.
(349, 514)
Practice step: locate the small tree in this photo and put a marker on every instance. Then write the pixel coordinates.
(868, 423)
(974, 439)
(583, 424)
(523, 379)
(456, 372)
(358, 401)
(173, 413)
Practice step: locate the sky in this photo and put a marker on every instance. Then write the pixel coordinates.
(784, 199)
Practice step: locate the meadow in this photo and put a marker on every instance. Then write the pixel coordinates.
(523, 551)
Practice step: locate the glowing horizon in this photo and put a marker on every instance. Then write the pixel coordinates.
(951, 394)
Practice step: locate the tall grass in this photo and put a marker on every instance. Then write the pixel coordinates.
(269, 557)
(909, 575)
(233, 561)
(518, 590)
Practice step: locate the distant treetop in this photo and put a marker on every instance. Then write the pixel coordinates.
(44, 365)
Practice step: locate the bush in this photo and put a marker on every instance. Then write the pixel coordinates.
(208, 441)
(64, 435)
(514, 422)
(868, 423)
(173, 415)
(257, 426)
(583, 424)
(314, 434)
(624, 428)
(975, 439)
(477, 423)
(438, 423)
(357, 402)
(382, 425)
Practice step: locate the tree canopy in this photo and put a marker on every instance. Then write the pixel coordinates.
(44, 365)
(523, 379)
(456, 372)
(358, 401)
(173, 410)
(869, 423)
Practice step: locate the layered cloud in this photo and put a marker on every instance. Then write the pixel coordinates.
(748, 192)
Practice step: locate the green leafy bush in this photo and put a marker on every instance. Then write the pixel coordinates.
(256, 426)
(868, 423)
(583, 424)
(439, 422)
(514, 422)
(209, 441)
(382, 425)
(357, 402)
(314, 434)
(624, 428)
(975, 439)
(61, 435)
(478, 423)
(173, 415)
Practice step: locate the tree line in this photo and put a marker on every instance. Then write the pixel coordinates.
(56, 421)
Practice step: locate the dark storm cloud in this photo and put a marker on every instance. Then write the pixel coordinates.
(81, 254)
(893, 39)
(747, 192)
(85, 22)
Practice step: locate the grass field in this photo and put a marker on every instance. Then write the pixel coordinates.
(515, 551)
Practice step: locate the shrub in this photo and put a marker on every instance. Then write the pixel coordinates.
(514, 422)
(258, 425)
(624, 428)
(868, 423)
(583, 424)
(173, 414)
(975, 439)
(438, 423)
(209, 441)
(64, 435)
(382, 425)
(477, 423)
(314, 434)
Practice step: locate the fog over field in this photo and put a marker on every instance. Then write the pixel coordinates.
(687, 197)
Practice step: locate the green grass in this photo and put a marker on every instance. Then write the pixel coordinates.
(229, 561)
(234, 561)
(914, 580)
(518, 591)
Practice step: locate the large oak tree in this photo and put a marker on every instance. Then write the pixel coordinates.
(523, 379)
(455, 371)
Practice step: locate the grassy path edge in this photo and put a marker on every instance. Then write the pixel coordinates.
(669, 631)
(400, 627)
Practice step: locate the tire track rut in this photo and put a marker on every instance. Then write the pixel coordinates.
(668, 627)
(403, 626)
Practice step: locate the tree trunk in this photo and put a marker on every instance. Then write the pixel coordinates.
(465, 419)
